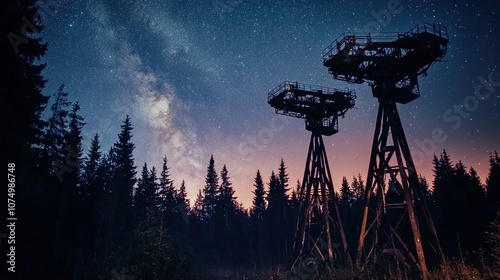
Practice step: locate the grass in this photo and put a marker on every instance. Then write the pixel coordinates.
(456, 270)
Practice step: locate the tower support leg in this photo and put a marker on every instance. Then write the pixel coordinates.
(318, 210)
(391, 166)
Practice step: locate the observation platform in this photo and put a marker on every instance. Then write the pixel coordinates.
(390, 62)
(319, 106)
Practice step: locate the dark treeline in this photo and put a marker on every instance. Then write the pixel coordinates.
(92, 213)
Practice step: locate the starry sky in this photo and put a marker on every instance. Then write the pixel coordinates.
(194, 77)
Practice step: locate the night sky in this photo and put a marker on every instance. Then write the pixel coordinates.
(194, 77)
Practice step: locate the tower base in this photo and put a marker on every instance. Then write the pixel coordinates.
(319, 224)
(395, 200)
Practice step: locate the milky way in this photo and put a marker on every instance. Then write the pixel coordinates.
(194, 77)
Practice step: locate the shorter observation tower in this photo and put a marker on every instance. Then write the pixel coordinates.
(319, 237)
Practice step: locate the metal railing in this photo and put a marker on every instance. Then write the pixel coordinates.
(290, 86)
(357, 39)
(435, 29)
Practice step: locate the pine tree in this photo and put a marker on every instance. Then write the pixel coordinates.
(122, 186)
(427, 191)
(210, 190)
(93, 196)
(358, 187)
(258, 204)
(395, 192)
(224, 222)
(21, 86)
(71, 210)
(444, 198)
(103, 202)
(105, 207)
(294, 202)
(476, 187)
(166, 190)
(493, 184)
(294, 199)
(293, 214)
(283, 188)
(74, 148)
(141, 186)
(273, 199)
(467, 201)
(346, 193)
(459, 198)
(183, 207)
(90, 165)
(283, 179)
(290, 212)
(55, 142)
(153, 254)
(276, 219)
(145, 193)
(64, 189)
(226, 202)
(106, 170)
(424, 185)
(442, 175)
(209, 206)
(476, 210)
(181, 197)
(198, 206)
(124, 176)
(22, 104)
(283, 206)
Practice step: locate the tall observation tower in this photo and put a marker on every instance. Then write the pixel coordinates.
(319, 235)
(390, 64)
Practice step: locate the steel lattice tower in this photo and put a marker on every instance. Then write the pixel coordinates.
(390, 64)
(319, 224)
